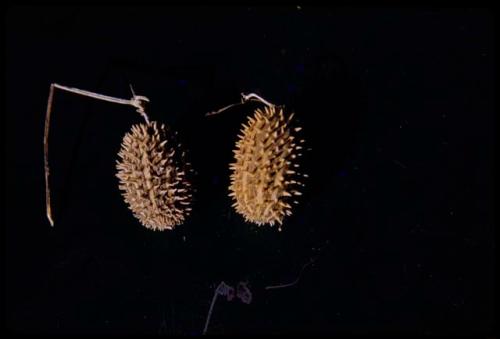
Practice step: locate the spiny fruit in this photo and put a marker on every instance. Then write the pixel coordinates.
(264, 177)
(153, 176)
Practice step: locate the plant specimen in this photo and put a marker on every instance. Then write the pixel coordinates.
(152, 170)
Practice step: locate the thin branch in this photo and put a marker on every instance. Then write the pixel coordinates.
(292, 283)
(132, 89)
(244, 99)
(93, 95)
(46, 155)
(221, 286)
(136, 101)
(255, 97)
(223, 109)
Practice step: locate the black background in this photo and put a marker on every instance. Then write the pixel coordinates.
(396, 105)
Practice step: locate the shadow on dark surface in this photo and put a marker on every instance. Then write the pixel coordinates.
(396, 106)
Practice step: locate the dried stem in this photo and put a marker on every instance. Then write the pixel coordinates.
(255, 97)
(244, 99)
(216, 293)
(223, 109)
(46, 155)
(292, 283)
(210, 312)
(136, 101)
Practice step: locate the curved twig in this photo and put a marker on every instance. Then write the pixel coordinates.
(137, 101)
(292, 283)
(219, 290)
(244, 99)
(255, 97)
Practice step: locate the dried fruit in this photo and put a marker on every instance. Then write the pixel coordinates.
(264, 177)
(153, 176)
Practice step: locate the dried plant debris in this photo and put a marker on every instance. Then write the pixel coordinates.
(265, 178)
(154, 175)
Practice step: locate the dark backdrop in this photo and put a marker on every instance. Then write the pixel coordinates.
(396, 105)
